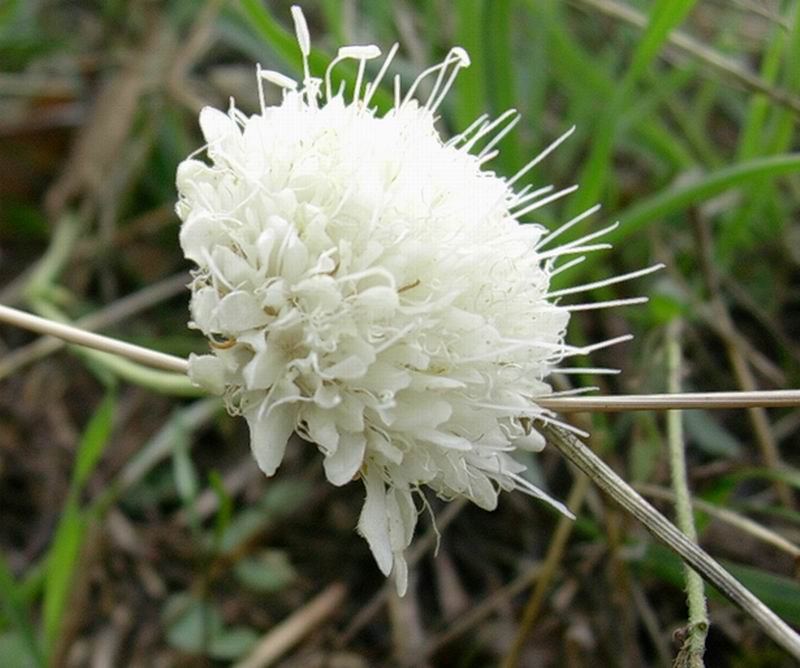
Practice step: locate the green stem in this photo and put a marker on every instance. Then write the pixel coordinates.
(691, 654)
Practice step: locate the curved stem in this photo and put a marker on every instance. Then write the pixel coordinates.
(666, 532)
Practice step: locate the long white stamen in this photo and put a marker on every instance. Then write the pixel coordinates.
(261, 101)
(540, 157)
(570, 223)
(523, 197)
(339, 58)
(605, 282)
(488, 157)
(462, 60)
(434, 68)
(372, 87)
(438, 81)
(585, 350)
(568, 393)
(609, 304)
(597, 371)
(303, 39)
(567, 265)
(590, 237)
(277, 78)
(487, 128)
(362, 54)
(462, 136)
(397, 91)
(544, 202)
(500, 135)
(568, 250)
(531, 489)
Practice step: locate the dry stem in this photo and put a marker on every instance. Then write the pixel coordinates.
(605, 478)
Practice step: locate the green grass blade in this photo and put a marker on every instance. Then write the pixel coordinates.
(61, 563)
(677, 199)
(673, 200)
(501, 77)
(94, 440)
(665, 16)
(11, 602)
(471, 88)
(65, 550)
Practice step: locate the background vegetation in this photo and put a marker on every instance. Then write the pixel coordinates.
(135, 528)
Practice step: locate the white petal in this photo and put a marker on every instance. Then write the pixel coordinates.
(400, 573)
(383, 377)
(270, 433)
(408, 512)
(234, 267)
(344, 463)
(418, 412)
(240, 310)
(377, 443)
(218, 129)
(372, 522)
(532, 442)
(204, 309)
(208, 372)
(349, 368)
(445, 439)
(481, 491)
(198, 234)
(401, 524)
(380, 301)
(350, 416)
(294, 261)
(266, 367)
(327, 396)
(321, 428)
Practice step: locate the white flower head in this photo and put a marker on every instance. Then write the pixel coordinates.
(367, 285)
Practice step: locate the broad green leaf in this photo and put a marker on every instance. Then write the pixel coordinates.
(196, 627)
(281, 498)
(710, 436)
(232, 643)
(267, 572)
(780, 593)
(777, 592)
(190, 623)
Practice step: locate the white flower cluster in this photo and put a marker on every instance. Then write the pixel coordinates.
(368, 286)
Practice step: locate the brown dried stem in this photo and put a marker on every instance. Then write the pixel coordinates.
(666, 532)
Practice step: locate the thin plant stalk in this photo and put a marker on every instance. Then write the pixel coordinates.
(576, 404)
(694, 645)
(667, 533)
(87, 339)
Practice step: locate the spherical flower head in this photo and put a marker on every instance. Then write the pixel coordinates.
(369, 286)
